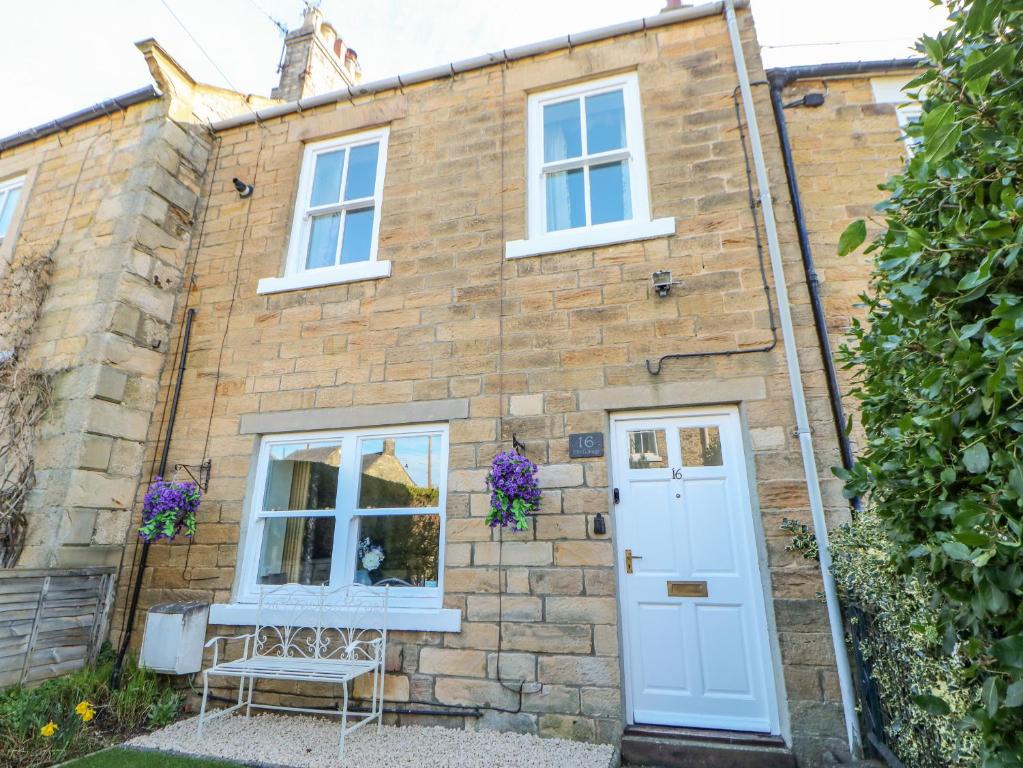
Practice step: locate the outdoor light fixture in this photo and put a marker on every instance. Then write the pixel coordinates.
(809, 100)
(662, 282)
(244, 190)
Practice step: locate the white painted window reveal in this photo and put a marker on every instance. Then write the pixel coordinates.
(336, 226)
(586, 165)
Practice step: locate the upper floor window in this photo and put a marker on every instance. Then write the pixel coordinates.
(908, 114)
(587, 180)
(889, 89)
(363, 507)
(337, 214)
(10, 191)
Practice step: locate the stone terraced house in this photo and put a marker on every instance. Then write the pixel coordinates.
(576, 248)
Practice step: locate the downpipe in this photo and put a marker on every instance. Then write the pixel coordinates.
(798, 396)
(812, 281)
(129, 622)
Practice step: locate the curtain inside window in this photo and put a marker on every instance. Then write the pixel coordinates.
(298, 534)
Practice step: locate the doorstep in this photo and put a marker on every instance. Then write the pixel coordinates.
(666, 747)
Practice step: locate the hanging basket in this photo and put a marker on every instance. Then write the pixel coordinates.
(168, 510)
(514, 491)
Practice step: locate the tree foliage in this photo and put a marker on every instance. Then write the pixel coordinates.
(940, 356)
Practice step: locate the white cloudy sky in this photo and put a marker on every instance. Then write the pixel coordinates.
(62, 55)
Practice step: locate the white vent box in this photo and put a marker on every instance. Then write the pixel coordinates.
(174, 638)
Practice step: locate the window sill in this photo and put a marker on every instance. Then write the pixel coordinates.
(414, 619)
(589, 237)
(314, 278)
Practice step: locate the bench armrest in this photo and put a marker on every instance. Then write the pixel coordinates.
(215, 642)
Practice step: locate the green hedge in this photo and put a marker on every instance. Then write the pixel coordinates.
(925, 691)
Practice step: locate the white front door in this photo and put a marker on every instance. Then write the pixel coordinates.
(693, 615)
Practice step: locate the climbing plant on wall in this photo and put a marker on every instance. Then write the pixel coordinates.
(24, 392)
(940, 359)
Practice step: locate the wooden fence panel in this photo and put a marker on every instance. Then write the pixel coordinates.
(52, 621)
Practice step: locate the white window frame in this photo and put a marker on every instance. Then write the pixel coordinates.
(296, 276)
(6, 187)
(639, 227)
(346, 513)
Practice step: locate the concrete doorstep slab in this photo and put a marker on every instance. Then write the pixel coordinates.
(294, 741)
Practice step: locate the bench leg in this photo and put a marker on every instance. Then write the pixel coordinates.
(241, 692)
(378, 694)
(248, 703)
(202, 708)
(344, 718)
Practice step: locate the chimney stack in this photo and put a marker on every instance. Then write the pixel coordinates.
(315, 60)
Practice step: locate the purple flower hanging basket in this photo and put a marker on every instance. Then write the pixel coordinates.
(514, 491)
(168, 510)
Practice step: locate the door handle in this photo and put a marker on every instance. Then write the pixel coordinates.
(629, 557)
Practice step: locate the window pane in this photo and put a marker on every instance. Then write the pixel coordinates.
(400, 550)
(566, 207)
(302, 476)
(648, 449)
(609, 193)
(562, 131)
(8, 203)
(701, 446)
(362, 172)
(327, 178)
(323, 241)
(296, 550)
(358, 236)
(400, 472)
(605, 122)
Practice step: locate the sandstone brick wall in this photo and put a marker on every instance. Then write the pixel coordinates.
(842, 150)
(112, 200)
(534, 344)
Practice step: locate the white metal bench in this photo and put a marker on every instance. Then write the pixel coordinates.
(295, 639)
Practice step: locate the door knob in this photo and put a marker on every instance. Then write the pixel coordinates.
(629, 557)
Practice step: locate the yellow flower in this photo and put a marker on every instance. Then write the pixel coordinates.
(49, 729)
(85, 711)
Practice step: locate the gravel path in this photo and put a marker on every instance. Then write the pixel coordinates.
(311, 742)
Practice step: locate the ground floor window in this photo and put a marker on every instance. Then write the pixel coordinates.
(358, 506)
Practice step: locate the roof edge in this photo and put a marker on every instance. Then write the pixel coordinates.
(479, 62)
(100, 109)
(785, 75)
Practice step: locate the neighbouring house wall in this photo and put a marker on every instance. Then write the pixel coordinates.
(842, 151)
(540, 347)
(111, 201)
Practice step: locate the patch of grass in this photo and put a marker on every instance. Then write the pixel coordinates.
(129, 758)
(79, 713)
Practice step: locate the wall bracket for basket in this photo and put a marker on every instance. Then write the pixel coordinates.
(198, 473)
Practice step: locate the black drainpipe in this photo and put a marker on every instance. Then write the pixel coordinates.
(778, 80)
(129, 621)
